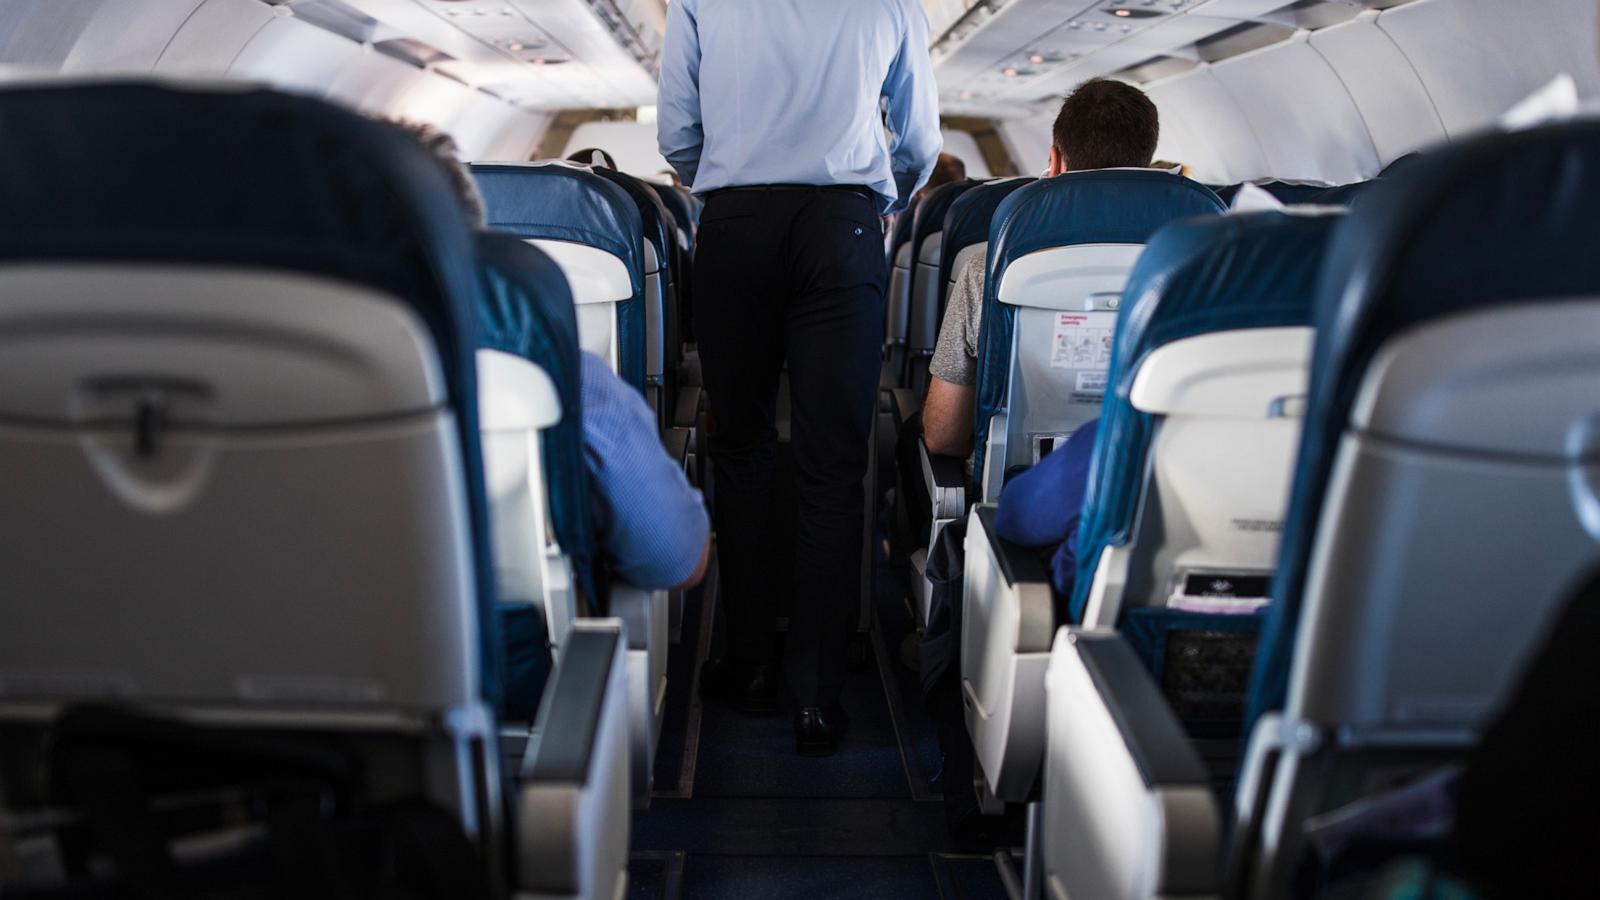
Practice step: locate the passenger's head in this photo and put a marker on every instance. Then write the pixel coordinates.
(444, 149)
(948, 169)
(1104, 125)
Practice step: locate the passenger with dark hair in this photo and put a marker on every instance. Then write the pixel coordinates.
(947, 170)
(1102, 125)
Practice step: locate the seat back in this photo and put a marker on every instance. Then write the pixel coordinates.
(247, 408)
(661, 316)
(1059, 252)
(533, 433)
(1198, 432)
(592, 229)
(1444, 497)
(927, 232)
(897, 308)
(966, 230)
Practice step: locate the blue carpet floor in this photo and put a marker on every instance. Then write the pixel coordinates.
(737, 814)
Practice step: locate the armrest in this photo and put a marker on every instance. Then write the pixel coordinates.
(676, 440)
(687, 411)
(906, 404)
(572, 711)
(573, 803)
(1155, 739)
(1128, 805)
(994, 440)
(1018, 564)
(946, 480)
(642, 613)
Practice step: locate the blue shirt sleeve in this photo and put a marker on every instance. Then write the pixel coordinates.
(680, 129)
(1041, 507)
(652, 525)
(913, 109)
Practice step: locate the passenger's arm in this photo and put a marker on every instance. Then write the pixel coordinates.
(1039, 507)
(947, 418)
(680, 132)
(654, 530)
(913, 109)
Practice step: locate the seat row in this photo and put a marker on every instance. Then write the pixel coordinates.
(291, 446)
(1329, 449)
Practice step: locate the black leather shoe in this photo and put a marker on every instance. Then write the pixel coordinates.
(818, 731)
(745, 687)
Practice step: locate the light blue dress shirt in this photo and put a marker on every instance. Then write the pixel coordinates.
(799, 92)
(652, 525)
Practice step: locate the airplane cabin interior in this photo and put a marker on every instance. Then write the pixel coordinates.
(367, 504)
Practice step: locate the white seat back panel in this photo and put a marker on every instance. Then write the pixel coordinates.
(1248, 373)
(1065, 278)
(218, 546)
(594, 275)
(233, 347)
(1517, 381)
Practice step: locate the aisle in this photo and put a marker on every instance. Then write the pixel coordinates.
(737, 814)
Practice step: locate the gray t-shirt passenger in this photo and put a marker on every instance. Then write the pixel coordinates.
(955, 356)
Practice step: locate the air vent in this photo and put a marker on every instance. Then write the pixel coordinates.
(1241, 38)
(413, 51)
(1314, 14)
(339, 18)
(1154, 69)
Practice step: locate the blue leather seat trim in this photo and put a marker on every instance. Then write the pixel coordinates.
(967, 222)
(676, 205)
(1343, 195)
(1108, 206)
(1498, 220)
(655, 222)
(930, 213)
(525, 309)
(567, 203)
(137, 172)
(1198, 276)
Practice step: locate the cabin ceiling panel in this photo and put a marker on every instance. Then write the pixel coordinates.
(1312, 133)
(1393, 102)
(127, 36)
(375, 83)
(37, 35)
(1227, 149)
(964, 147)
(1477, 58)
(210, 39)
(294, 56)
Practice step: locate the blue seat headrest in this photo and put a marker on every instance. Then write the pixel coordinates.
(1107, 206)
(968, 220)
(138, 172)
(525, 309)
(1198, 276)
(564, 202)
(929, 217)
(676, 204)
(1343, 195)
(654, 219)
(1499, 220)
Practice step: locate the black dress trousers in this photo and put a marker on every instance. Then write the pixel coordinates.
(797, 276)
